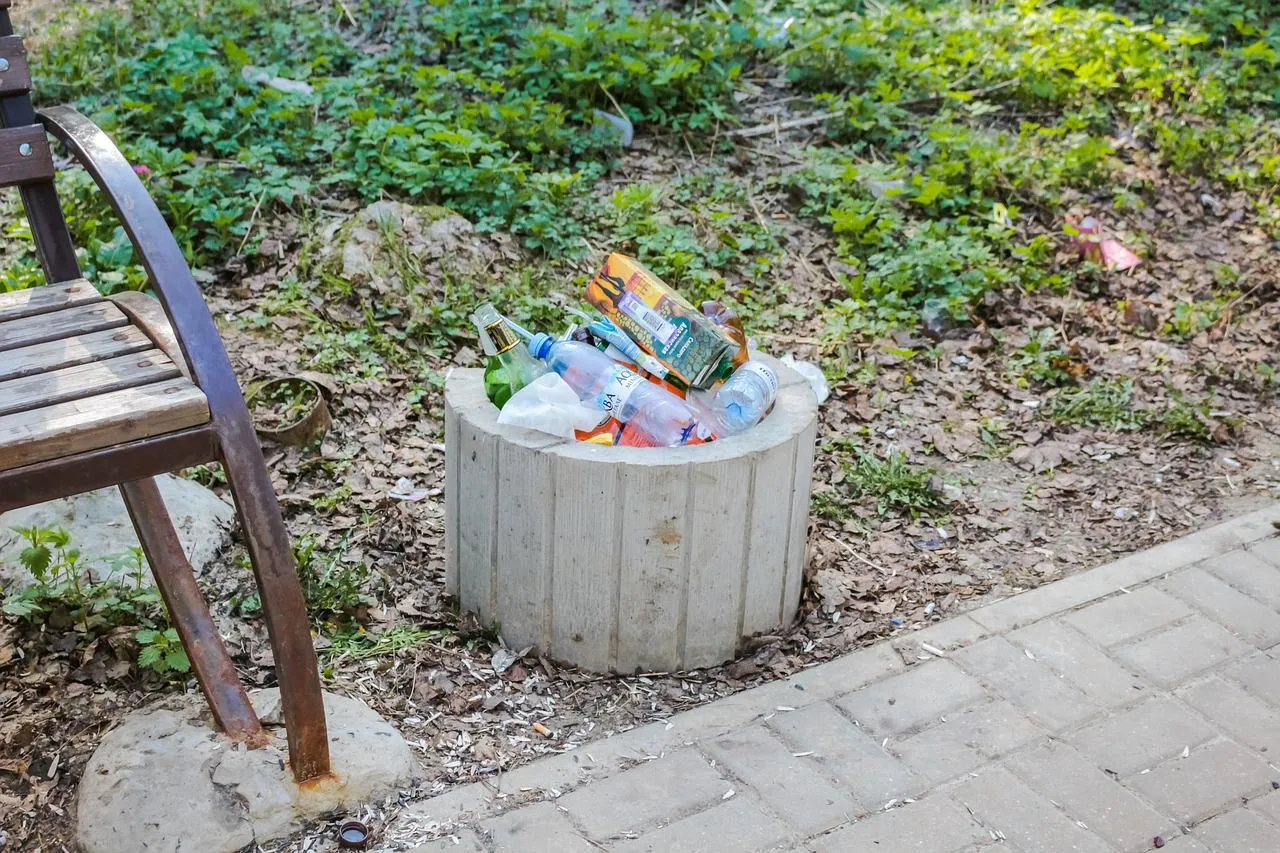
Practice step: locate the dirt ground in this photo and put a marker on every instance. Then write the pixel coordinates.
(1029, 500)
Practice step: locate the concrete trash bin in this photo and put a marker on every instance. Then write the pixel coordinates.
(621, 559)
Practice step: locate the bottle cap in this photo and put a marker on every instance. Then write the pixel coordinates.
(540, 345)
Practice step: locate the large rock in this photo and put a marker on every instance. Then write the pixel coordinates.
(99, 526)
(164, 780)
(404, 253)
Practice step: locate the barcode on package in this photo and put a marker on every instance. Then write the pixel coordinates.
(653, 322)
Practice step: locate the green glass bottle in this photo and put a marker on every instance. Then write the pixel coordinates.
(508, 366)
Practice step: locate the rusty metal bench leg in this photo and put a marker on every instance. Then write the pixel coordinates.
(213, 667)
(241, 455)
(282, 602)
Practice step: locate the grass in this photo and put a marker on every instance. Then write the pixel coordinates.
(1105, 403)
(890, 481)
(354, 643)
(936, 163)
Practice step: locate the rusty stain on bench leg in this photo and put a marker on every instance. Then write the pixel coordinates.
(282, 602)
(173, 574)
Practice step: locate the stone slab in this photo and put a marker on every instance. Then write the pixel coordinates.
(165, 780)
(100, 527)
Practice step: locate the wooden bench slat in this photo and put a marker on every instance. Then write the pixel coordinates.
(15, 79)
(41, 300)
(68, 352)
(91, 423)
(85, 380)
(78, 320)
(34, 166)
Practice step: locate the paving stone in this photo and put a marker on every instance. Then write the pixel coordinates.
(1190, 789)
(540, 826)
(1249, 573)
(932, 825)
(1260, 675)
(1239, 831)
(1141, 737)
(1030, 684)
(1178, 653)
(1069, 654)
(1126, 616)
(1088, 795)
(1183, 844)
(1267, 549)
(741, 824)
(787, 784)
(463, 842)
(944, 636)
(848, 754)
(842, 674)
(1001, 801)
(1241, 615)
(671, 786)
(1125, 573)
(918, 696)
(967, 739)
(1241, 715)
(1268, 806)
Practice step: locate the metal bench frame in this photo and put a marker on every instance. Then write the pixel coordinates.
(228, 438)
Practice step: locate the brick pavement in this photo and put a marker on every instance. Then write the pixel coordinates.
(1134, 701)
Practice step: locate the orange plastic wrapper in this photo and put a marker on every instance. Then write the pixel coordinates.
(606, 432)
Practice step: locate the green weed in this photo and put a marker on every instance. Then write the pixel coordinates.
(1184, 421)
(895, 484)
(1104, 403)
(162, 651)
(332, 587)
(64, 594)
(1038, 362)
(355, 643)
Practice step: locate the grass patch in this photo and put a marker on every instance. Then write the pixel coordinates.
(354, 643)
(927, 177)
(893, 483)
(1104, 403)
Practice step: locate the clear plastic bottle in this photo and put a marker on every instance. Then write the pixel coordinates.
(653, 415)
(745, 397)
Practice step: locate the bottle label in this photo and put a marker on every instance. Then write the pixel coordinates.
(765, 372)
(502, 336)
(621, 385)
(653, 322)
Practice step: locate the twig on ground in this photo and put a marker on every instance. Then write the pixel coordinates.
(252, 218)
(346, 12)
(881, 569)
(774, 126)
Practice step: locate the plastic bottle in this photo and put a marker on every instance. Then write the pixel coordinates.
(653, 416)
(509, 367)
(744, 398)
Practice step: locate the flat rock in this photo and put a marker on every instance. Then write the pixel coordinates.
(165, 780)
(99, 526)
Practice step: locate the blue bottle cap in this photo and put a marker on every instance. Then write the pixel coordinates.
(540, 345)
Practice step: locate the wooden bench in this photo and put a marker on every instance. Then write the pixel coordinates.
(98, 392)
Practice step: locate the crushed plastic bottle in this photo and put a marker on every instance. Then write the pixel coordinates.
(812, 374)
(508, 367)
(652, 415)
(743, 400)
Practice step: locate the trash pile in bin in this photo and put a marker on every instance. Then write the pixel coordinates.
(644, 369)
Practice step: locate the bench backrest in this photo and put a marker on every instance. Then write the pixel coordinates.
(26, 160)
